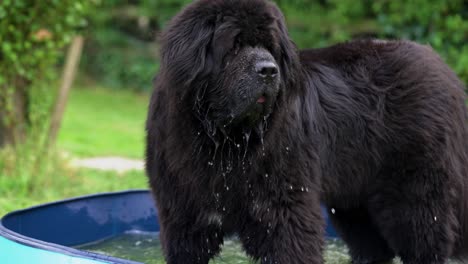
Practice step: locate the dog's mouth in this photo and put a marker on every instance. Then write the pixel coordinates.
(260, 109)
(262, 106)
(261, 100)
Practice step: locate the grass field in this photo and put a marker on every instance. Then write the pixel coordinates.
(97, 122)
(103, 122)
(66, 184)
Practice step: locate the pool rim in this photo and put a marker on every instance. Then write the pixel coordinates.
(57, 248)
(23, 240)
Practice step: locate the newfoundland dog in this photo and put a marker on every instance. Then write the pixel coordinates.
(248, 135)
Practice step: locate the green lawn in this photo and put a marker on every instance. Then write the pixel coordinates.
(97, 122)
(104, 122)
(66, 184)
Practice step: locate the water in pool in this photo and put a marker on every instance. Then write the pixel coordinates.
(145, 247)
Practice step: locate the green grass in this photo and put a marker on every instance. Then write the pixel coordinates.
(67, 184)
(103, 122)
(97, 122)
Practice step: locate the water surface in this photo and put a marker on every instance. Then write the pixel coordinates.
(146, 248)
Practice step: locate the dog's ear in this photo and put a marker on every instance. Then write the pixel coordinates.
(224, 40)
(288, 52)
(185, 45)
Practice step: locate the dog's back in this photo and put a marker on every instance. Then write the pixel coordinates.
(420, 105)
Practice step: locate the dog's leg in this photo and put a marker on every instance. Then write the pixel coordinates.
(366, 245)
(190, 244)
(413, 211)
(288, 233)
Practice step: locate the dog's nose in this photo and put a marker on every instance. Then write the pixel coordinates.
(266, 69)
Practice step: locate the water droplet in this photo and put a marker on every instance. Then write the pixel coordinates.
(266, 175)
(227, 188)
(302, 189)
(333, 211)
(224, 209)
(238, 145)
(287, 148)
(199, 133)
(435, 218)
(210, 163)
(290, 187)
(307, 189)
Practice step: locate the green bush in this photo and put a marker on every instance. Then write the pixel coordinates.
(32, 37)
(121, 51)
(315, 24)
(122, 54)
(120, 61)
(442, 24)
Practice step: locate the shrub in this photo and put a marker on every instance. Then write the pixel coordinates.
(122, 54)
(32, 35)
(441, 24)
(121, 51)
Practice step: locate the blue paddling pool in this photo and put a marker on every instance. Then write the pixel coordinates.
(56, 232)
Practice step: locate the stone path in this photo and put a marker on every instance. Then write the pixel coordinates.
(118, 164)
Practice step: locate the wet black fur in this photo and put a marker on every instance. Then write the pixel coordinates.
(375, 130)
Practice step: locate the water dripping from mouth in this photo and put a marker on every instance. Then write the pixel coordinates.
(246, 138)
(265, 122)
(261, 134)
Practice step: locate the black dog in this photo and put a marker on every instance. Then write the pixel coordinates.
(245, 134)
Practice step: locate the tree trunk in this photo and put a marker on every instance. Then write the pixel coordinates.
(13, 113)
(71, 64)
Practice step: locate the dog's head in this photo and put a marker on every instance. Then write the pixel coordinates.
(231, 59)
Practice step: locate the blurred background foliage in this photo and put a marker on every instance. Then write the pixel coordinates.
(32, 37)
(31, 40)
(106, 110)
(121, 51)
